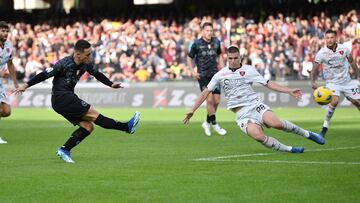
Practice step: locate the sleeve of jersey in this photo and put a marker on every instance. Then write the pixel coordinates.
(99, 76)
(49, 72)
(318, 58)
(192, 51)
(348, 52)
(213, 82)
(256, 77)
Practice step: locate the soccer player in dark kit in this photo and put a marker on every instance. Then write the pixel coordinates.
(66, 73)
(207, 54)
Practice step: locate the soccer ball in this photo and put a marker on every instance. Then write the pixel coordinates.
(322, 95)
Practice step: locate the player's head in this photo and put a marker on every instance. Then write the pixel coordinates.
(330, 38)
(233, 57)
(207, 30)
(83, 51)
(4, 31)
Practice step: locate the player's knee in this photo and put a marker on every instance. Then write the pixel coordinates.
(255, 133)
(334, 103)
(87, 126)
(5, 112)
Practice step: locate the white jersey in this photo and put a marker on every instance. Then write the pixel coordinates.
(237, 85)
(335, 64)
(5, 54)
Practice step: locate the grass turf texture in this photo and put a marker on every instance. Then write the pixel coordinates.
(158, 163)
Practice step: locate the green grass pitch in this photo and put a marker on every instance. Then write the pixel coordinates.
(165, 161)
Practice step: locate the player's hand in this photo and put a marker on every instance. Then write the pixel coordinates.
(117, 86)
(187, 117)
(296, 93)
(196, 75)
(314, 85)
(20, 89)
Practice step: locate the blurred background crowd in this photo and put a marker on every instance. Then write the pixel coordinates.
(281, 46)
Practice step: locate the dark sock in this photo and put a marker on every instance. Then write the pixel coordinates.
(109, 123)
(76, 137)
(208, 119)
(213, 119)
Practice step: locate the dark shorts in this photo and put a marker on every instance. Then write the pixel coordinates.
(204, 81)
(70, 106)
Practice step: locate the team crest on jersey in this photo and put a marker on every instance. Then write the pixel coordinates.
(242, 73)
(7, 50)
(341, 52)
(209, 46)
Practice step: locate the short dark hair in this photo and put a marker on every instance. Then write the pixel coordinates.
(233, 49)
(206, 24)
(82, 44)
(330, 31)
(3, 24)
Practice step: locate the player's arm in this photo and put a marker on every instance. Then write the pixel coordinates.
(48, 73)
(353, 66)
(221, 61)
(190, 57)
(220, 57)
(313, 75)
(12, 72)
(202, 97)
(296, 92)
(102, 78)
(192, 69)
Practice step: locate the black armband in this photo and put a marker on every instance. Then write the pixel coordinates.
(103, 79)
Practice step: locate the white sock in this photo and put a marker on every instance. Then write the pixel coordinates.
(290, 127)
(329, 113)
(274, 144)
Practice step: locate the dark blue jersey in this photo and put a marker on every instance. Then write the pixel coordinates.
(205, 55)
(66, 74)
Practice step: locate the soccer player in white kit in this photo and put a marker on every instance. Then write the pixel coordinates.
(336, 59)
(6, 50)
(251, 113)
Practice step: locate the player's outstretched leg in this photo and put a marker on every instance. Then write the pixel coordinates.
(271, 120)
(132, 123)
(109, 123)
(290, 127)
(255, 131)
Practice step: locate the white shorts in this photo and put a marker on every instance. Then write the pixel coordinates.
(252, 114)
(3, 96)
(349, 89)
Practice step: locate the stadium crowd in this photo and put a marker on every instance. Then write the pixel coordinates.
(281, 47)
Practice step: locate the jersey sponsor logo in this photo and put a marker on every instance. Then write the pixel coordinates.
(242, 73)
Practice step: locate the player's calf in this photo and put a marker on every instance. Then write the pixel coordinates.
(355, 102)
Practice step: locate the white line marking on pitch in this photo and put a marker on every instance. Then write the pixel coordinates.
(289, 162)
(220, 158)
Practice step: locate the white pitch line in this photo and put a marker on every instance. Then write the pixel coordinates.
(270, 153)
(232, 156)
(289, 162)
